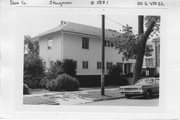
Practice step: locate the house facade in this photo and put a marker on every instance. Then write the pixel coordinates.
(82, 43)
(153, 62)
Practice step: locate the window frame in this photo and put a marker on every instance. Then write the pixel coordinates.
(84, 64)
(85, 43)
(99, 65)
(50, 43)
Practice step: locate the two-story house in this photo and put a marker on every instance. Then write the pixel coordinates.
(153, 62)
(81, 43)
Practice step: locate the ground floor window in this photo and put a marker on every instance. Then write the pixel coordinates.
(85, 64)
(99, 65)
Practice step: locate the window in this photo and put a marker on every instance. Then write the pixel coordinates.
(99, 65)
(85, 64)
(85, 43)
(109, 65)
(112, 45)
(149, 62)
(50, 42)
(108, 43)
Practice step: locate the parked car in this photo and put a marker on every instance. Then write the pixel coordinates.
(146, 87)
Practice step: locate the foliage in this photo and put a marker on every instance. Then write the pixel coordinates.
(30, 46)
(128, 42)
(156, 28)
(68, 66)
(25, 89)
(63, 82)
(130, 74)
(115, 70)
(43, 82)
(54, 70)
(33, 64)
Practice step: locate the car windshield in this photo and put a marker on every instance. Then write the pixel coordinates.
(145, 82)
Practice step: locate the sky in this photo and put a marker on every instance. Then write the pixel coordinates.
(34, 21)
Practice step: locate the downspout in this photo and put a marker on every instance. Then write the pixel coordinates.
(62, 45)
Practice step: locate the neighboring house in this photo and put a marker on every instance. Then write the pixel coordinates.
(81, 43)
(153, 62)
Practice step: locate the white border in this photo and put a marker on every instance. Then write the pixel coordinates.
(12, 71)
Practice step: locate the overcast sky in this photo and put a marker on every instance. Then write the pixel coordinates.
(32, 22)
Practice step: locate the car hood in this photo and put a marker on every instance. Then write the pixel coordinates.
(131, 86)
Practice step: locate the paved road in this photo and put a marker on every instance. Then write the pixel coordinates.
(128, 102)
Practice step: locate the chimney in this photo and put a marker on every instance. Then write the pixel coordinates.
(63, 22)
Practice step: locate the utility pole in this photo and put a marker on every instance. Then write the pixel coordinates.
(140, 54)
(102, 55)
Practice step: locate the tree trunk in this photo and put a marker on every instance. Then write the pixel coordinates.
(142, 41)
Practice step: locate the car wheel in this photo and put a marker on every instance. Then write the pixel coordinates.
(128, 96)
(148, 94)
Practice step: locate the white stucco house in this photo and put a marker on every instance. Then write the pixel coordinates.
(81, 43)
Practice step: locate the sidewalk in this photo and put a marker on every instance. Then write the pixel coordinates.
(72, 98)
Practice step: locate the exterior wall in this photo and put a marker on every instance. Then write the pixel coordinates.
(155, 55)
(72, 48)
(51, 54)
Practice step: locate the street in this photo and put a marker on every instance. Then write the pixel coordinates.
(128, 102)
(88, 97)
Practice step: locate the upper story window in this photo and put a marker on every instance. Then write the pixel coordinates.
(85, 43)
(149, 62)
(109, 43)
(50, 43)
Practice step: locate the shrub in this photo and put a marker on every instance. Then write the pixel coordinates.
(63, 82)
(54, 70)
(130, 74)
(33, 70)
(43, 82)
(25, 89)
(68, 66)
(32, 82)
(115, 70)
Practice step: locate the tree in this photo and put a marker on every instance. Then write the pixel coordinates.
(33, 64)
(134, 46)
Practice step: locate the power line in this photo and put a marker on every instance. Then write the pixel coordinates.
(118, 23)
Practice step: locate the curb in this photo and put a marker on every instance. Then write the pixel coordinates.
(114, 98)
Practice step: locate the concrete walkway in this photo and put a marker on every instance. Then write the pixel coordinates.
(72, 98)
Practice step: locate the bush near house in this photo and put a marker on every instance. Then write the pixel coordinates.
(95, 80)
(115, 70)
(67, 66)
(25, 89)
(54, 70)
(43, 82)
(33, 70)
(63, 82)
